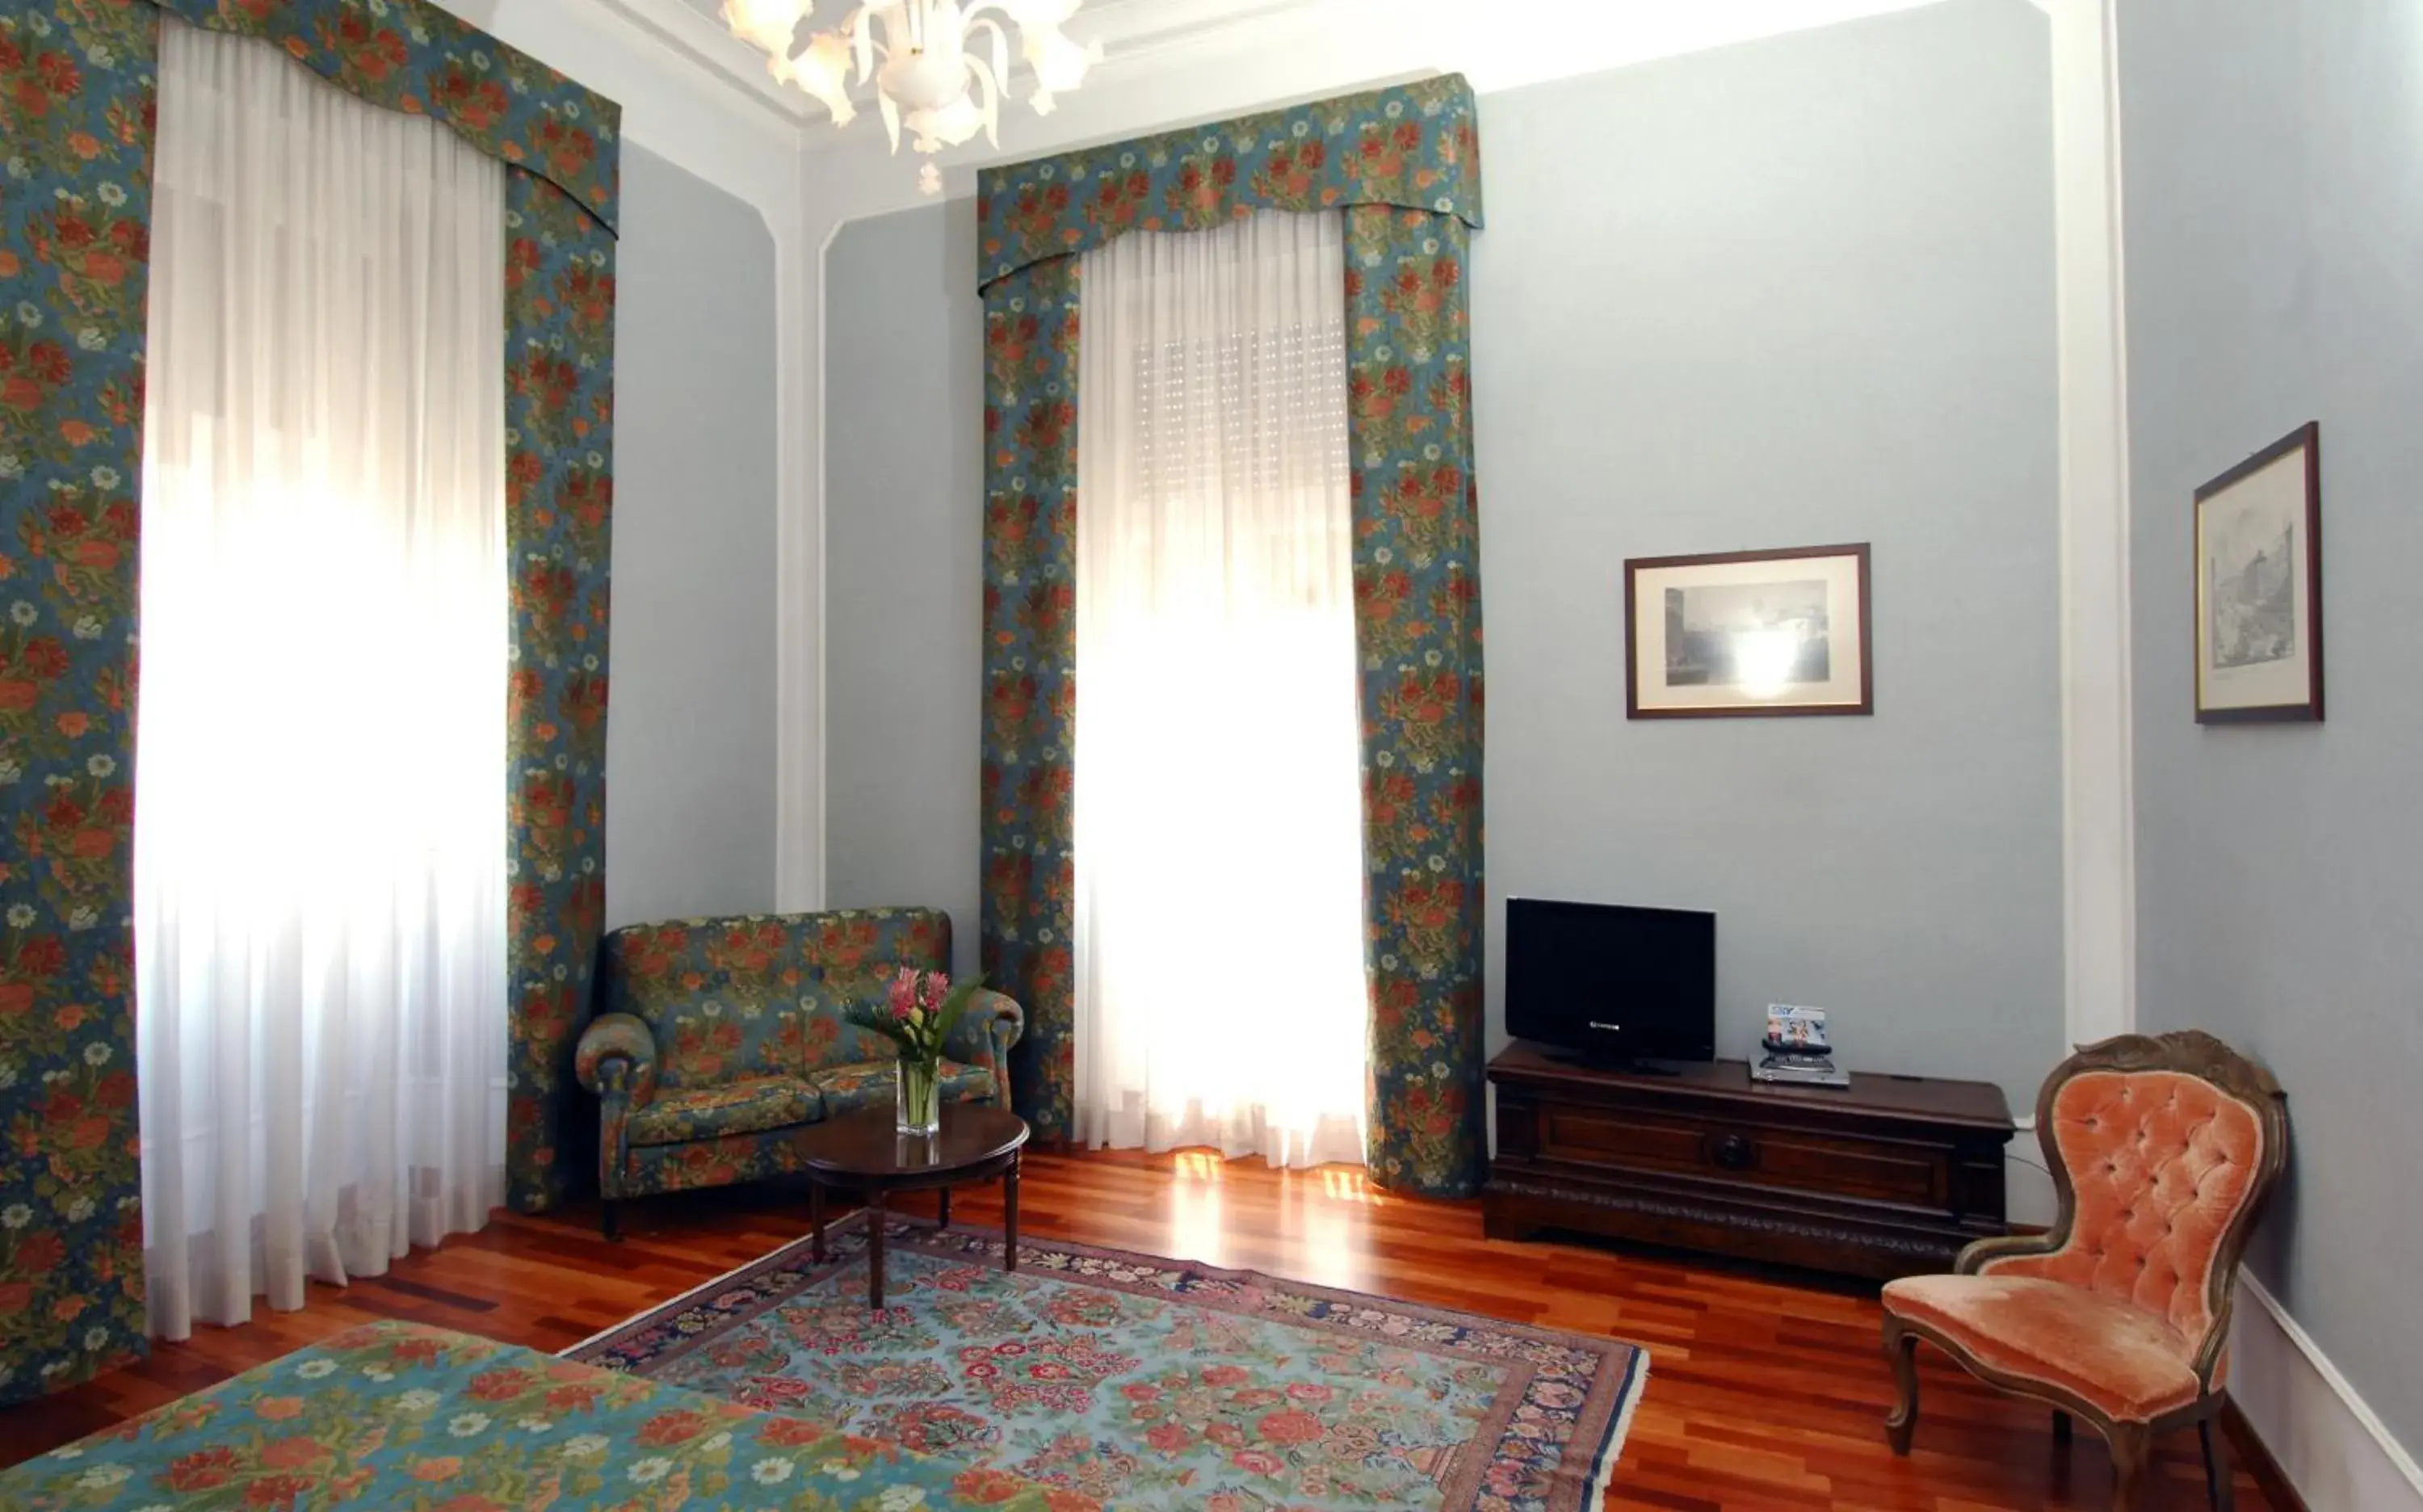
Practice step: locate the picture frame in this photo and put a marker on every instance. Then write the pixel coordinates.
(2257, 560)
(1748, 635)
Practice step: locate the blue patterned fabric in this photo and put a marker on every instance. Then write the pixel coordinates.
(1403, 166)
(1028, 780)
(1418, 635)
(558, 497)
(1413, 145)
(76, 92)
(399, 1415)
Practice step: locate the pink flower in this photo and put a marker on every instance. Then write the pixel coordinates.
(936, 987)
(903, 995)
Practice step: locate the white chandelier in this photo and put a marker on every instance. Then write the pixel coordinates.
(936, 81)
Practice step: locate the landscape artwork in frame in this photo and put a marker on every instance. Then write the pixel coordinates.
(1736, 633)
(2258, 586)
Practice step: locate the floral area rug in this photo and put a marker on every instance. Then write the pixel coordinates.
(1152, 1383)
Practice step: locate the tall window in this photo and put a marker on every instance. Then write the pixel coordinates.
(1220, 995)
(321, 724)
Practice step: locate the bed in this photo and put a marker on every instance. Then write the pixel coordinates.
(399, 1415)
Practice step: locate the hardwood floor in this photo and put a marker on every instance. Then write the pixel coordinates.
(1762, 1394)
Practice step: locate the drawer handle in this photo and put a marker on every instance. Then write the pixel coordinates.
(1732, 1152)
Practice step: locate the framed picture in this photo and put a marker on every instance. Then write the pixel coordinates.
(1737, 633)
(2258, 586)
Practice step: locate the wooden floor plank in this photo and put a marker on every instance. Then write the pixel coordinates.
(1763, 1392)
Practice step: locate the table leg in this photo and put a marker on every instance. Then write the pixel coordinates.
(1009, 1216)
(875, 1249)
(945, 1221)
(816, 1220)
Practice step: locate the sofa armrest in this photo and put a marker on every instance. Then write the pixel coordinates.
(2006, 1253)
(617, 1057)
(982, 1035)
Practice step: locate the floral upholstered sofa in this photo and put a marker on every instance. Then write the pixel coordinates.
(717, 1039)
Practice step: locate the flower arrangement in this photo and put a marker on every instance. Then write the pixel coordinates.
(918, 1013)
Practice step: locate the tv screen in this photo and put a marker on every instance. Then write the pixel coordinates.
(1612, 984)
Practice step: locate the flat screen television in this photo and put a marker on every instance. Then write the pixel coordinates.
(1611, 985)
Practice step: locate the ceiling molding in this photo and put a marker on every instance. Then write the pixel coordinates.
(702, 44)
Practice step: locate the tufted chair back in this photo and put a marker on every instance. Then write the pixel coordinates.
(2163, 1151)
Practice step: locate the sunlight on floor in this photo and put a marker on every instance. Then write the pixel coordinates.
(1320, 1217)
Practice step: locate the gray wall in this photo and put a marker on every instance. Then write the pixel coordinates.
(904, 579)
(1783, 295)
(2274, 176)
(1789, 293)
(690, 743)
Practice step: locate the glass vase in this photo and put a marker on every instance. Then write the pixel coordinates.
(920, 1084)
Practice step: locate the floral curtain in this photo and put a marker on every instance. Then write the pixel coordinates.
(1402, 165)
(76, 118)
(1030, 629)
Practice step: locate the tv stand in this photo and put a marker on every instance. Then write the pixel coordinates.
(1891, 1176)
(1626, 1066)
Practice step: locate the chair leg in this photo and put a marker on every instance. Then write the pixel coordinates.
(1900, 1353)
(611, 1221)
(2132, 1444)
(2061, 1426)
(2216, 1466)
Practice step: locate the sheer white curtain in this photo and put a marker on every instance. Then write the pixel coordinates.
(320, 815)
(1219, 877)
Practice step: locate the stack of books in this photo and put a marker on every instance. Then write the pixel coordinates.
(1798, 1051)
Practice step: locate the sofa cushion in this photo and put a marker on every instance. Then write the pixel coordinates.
(747, 1105)
(2128, 1362)
(846, 1089)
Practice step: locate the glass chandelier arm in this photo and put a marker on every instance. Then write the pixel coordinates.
(891, 110)
(989, 85)
(996, 78)
(861, 39)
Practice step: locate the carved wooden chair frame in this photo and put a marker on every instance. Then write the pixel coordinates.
(2193, 1053)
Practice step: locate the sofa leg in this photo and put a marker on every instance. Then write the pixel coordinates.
(611, 1221)
(1901, 1351)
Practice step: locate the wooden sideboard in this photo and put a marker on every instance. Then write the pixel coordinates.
(1890, 1176)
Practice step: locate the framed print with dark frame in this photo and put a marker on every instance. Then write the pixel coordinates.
(1734, 634)
(2258, 586)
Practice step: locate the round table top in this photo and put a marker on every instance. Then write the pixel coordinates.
(868, 1145)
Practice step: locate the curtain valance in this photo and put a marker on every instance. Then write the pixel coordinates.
(421, 61)
(1413, 145)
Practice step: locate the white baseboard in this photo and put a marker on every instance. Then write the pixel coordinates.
(2333, 1449)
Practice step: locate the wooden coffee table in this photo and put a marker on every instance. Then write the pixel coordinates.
(866, 1151)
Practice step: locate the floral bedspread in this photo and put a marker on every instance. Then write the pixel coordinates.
(398, 1415)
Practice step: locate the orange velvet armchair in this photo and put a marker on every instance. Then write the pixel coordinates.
(2163, 1151)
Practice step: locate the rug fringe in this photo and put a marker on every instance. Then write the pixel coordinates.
(1610, 1451)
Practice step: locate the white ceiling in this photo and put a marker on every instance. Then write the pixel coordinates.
(1168, 62)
